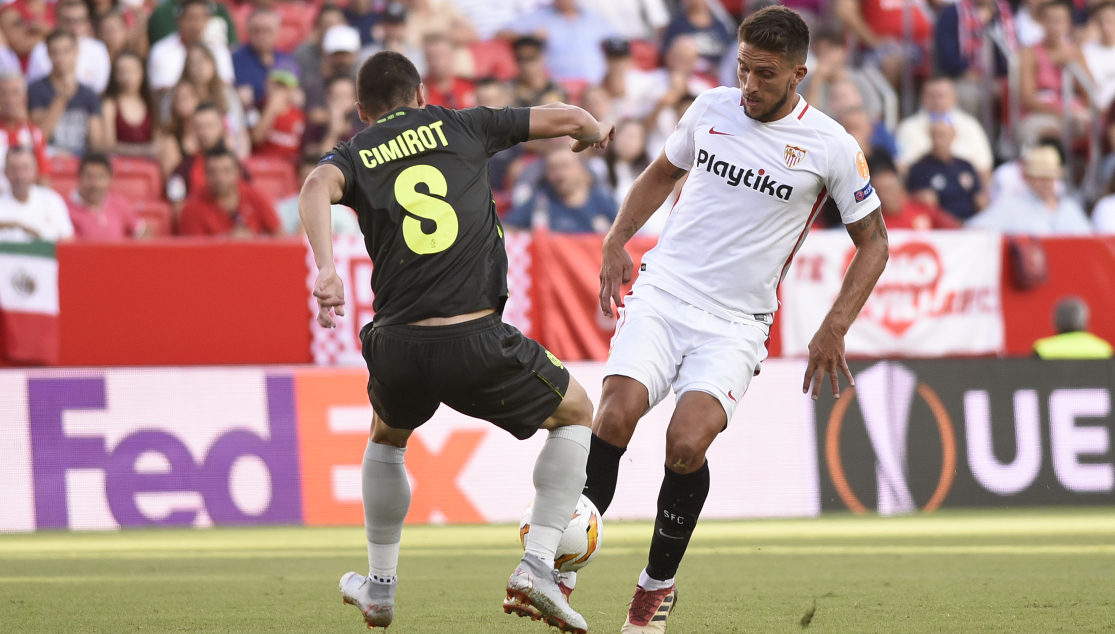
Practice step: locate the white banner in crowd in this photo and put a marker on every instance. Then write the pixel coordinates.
(938, 296)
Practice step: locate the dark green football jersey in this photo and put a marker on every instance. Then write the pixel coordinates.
(418, 180)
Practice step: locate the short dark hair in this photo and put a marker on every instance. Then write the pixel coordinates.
(1097, 8)
(386, 81)
(527, 41)
(185, 4)
(208, 105)
(20, 149)
(219, 150)
(778, 30)
(1064, 4)
(58, 34)
(881, 163)
(94, 158)
(326, 8)
(337, 79)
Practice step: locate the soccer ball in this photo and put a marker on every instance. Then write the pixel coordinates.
(581, 540)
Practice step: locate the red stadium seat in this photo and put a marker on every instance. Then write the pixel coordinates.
(63, 177)
(494, 58)
(644, 54)
(157, 215)
(274, 178)
(136, 178)
(574, 88)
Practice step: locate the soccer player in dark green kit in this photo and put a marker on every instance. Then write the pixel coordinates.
(418, 180)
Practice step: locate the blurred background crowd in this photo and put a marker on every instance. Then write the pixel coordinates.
(133, 118)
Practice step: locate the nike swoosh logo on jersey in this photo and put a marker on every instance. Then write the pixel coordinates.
(731, 397)
(712, 130)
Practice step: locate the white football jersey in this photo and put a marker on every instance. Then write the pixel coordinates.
(753, 191)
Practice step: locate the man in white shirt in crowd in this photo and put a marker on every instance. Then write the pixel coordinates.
(93, 63)
(938, 100)
(1100, 54)
(29, 211)
(1041, 210)
(167, 57)
(635, 19)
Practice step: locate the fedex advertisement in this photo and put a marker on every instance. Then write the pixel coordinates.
(101, 449)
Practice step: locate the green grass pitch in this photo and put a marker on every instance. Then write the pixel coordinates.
(1045, 570)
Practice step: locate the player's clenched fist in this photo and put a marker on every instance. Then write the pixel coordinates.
(615, 271)
(330, 294)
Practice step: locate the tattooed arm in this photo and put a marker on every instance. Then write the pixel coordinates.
(826, 350)
(647, 194)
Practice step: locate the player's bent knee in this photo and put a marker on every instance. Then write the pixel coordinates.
(685, 456)
(381, 434)
(575, 408)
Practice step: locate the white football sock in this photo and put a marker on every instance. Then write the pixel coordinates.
(386, 493)
(559, 477)
(649, 584)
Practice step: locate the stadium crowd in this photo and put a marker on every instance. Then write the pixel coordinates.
(133, 118)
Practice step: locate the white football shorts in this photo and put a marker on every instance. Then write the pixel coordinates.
(663, 341)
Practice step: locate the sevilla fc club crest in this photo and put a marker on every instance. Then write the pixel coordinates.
(793, 156)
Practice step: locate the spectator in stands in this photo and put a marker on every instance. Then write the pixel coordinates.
(68, 112)
(198, 133)
(1042, 210)
(900, 210)
(963, 30)
(345, 222)
(833, 66)
(633, 92)
(938, 99)
(29, 211)
(393, 35)
(680, 71)
(567, 202)
(20, 36)
(168, 55)
(712, 36)
(881, 29)
(942, 180)
(200, 73)
(635, 19)
(1103, 214)
(258, 57)
(1100, 54)
(227, 205)
(16, 129)
(626, 158)
(533, 85)
(1040, 76)
(1026, 24)
(1072, 341)
(572, 35)
(112, 31)
(854, 119)
(340, 46)
(129, 120)
(344, 121)
(281, 123)
(361, 15)
(309, 54)
(93, 65)
(443, 87)
(97, 213)
(1007, 181)
(219, 29)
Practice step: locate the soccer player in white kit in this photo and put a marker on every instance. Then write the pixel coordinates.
(761, 162)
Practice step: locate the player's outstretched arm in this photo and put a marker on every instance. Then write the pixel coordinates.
(560, 119)
(646, 195)
(324, 186)
(826, 349)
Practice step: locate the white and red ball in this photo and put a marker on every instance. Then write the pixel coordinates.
(581, 540)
